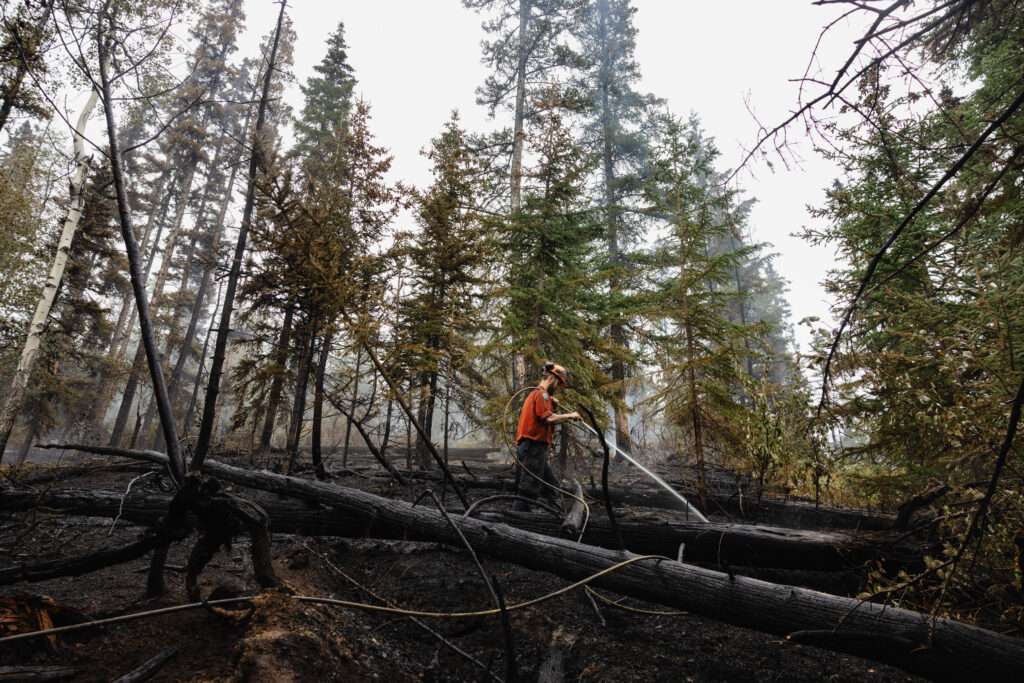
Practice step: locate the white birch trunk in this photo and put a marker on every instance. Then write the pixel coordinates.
(16, 392)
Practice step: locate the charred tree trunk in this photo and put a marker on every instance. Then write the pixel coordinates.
(735, 545)
(378, 454)
(202, 362)
(277, 384)
(355, 399)
(175, 458)
(318, 407)
(299, 403)
(426, 418)
(26, 445)
(792, 514)
(387, 428)
(128, 396)
(122, 329)
(173, 237)
(220, 347)
(446, 427)
(158, 288)
(209, 267)
(414, 423)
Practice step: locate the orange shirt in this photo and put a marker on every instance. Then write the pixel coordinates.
(538, 406)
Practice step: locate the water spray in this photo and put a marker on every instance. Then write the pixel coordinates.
(690, 509)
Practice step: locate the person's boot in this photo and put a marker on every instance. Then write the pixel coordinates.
(555, 500)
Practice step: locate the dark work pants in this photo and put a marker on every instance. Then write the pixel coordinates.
(533, 455)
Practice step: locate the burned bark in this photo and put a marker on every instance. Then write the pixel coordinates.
(37, 674)
(318, 407)
(176, 460)
(149, 668)
(792, 514)
(220, 346)
(81, 564)
(415, 423)
(307, 344)
(916, 502)
(199, 504)
(715, 544)
(277, 384)
(933, 647)
(369, 442)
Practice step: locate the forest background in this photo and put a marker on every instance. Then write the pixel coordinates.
(588, 221)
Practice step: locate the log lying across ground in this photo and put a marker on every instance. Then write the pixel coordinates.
(937, 648)
(726, 544)
(731, 544)
(792, 514)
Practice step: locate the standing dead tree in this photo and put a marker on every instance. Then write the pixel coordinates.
(106, 32)
(114, 44)
(220, 346)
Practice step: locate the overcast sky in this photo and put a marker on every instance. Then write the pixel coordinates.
(417, 60)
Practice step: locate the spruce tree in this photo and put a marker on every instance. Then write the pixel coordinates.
(24, 38)
(922, 372)
(316, 237)
(615, 131)
(550, 304)
(320, 131)
(328, 99)
(528, 49)
(447, 259)
(925, 381)
(699, 351)
(23, 171)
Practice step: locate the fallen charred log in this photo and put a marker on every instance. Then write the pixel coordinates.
(149, 668)
(791, 514)
(733, 544)
(81, 564)
(37, 674)
(721, 544)
(937, 648)
(800, 514)
(217, 516)
(62, 473)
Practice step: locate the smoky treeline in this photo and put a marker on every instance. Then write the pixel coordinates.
(592, 228)
(297, 300)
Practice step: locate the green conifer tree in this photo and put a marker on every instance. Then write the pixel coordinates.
(550, 304)
(328, 99)
(699, 351)
(24, 37)
(528, 49)
(447, 259)
(616, 133)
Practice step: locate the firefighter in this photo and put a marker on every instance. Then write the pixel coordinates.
(534, 435)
